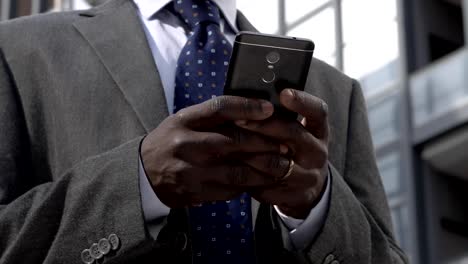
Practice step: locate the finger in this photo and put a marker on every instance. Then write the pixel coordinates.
(204, 148)
(304, 184)
(275, 165)
(225, 108)
(314, 109)
(246, 141)
(280, 129)
(307, 150)
(237, 175)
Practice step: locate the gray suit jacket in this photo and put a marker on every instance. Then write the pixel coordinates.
(78, 90)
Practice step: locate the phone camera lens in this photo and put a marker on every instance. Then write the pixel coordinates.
(269, 77)
(273, 57)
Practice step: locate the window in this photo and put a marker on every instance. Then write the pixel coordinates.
(401, 227)
(383, 120)
(433, 94)
(370, 36)
(390, 170)
(320, 29)
(79, 4)
(263, 14)
(389, 167)
(296, 9)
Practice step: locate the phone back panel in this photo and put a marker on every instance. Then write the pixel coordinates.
(252, 74)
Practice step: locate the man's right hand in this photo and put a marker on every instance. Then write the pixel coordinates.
(188, 157)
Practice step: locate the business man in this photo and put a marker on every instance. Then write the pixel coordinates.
(94, 169)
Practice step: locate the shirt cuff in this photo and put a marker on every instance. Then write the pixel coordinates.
(302, 232)
(153, 208)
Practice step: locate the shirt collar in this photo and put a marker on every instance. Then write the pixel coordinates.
(150, 7)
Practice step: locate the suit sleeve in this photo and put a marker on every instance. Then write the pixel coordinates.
(45, 221)
(358, 225)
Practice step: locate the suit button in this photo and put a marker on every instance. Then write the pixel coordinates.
(329, 259)
(95, 253)
(104, 246)
(114, 241)
(86, 256)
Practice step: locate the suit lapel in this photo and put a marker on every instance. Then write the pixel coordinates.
(243, 23)
(116, 33)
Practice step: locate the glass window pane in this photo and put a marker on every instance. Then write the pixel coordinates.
(389, 167)
(433, 93)
(80, 4)
(376, 81)
(396, 224)
(23, 7)
(320, 29)
(263, 14)
(296, 9)
(383, 120)
(401, 227)
(370, 35)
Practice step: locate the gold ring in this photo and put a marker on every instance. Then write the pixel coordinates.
(290, 169)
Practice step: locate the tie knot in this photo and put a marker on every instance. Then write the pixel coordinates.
(194, 12)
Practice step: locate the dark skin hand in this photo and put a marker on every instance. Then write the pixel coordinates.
(197, 156)
(189, 160)
(308, 147)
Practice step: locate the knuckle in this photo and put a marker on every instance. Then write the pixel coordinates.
(218, 105)
(182, 173)
(178, 141)
(181, 115)
(319, 157)
(295, 130)
(247, 107)
(316, 177)
(319, 109)
(324, 108)
(322, 155)
(179, 190)
(179, 144)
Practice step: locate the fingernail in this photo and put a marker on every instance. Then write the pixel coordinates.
(241, 122)
(284, 149)
(267, 107)
(289, 92)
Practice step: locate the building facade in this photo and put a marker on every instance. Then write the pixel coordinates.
(411, 60)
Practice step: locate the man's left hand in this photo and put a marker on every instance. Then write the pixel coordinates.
(305, 164)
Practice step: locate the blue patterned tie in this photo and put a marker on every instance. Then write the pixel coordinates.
(221, 231)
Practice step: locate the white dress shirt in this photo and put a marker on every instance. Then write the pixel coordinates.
(167, 35)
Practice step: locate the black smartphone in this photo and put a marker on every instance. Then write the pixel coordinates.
(262, 65)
